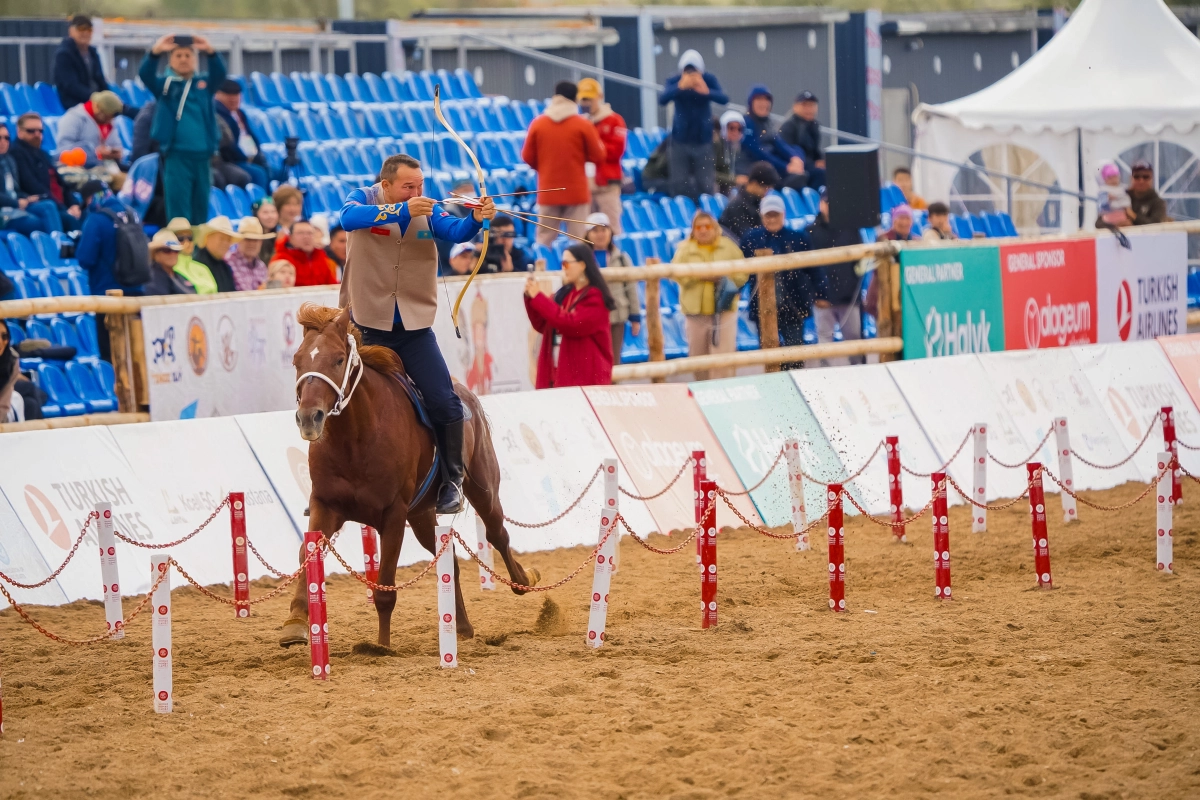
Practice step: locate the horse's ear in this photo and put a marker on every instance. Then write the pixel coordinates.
(343, 319)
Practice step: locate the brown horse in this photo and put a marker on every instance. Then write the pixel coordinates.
(369, 455)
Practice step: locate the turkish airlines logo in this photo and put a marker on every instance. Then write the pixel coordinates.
(47, 517)
(1124, 311)
(1065, 322)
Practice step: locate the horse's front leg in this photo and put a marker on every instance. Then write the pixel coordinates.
(391, 537)
(295, 629)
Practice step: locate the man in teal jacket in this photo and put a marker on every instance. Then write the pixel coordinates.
(184, 125)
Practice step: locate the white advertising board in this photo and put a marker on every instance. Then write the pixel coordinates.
(857, 407)
(1141, 293)
(21, 561)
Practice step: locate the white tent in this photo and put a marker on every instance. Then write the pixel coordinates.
(1119, 74)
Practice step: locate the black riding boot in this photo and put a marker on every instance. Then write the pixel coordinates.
(450, 442)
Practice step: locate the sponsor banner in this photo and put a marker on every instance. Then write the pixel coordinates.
(857, 407)
(752, 417)
(1049, 293)
(1141, 293)
(952, 301)
(654, 429)
(1035, 387)
(948, 396)
(1134, 380)
(21, 560)
(1184, 354)
(189, 466)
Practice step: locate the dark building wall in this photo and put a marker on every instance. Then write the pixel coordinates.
(39, 58)
(622, 57)
(913, 61)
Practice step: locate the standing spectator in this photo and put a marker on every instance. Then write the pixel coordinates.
(289, 202)
(18, 212)
(184, 125)
(77, 71)
(606, 192)
(802, 131)
(503, 255)
(693, 91)
(336, 249)
(902, 177)
(462, 258)
(710, 305)
(249, 272)
(97, 248)
(743, 213)
(796, 290)
(313, 267)
(625, 294)
(244, 149)
(1148, 207)
(216, 237)
(939, 223)
(840, 308)
(902, 224)
(39, 179)
(559, 143)
(143, 145)
(576, 341)
(267, 216)
(89, 126)
(733, 161)
(763, 144)
(164, 255)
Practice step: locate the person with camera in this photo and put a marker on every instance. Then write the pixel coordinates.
(502, 254)
(693, 92)
(184, 125)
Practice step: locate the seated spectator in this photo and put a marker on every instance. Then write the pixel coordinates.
(1148, 207)
(20, 399)
(576, 347)
(243, 148)
(463, 256)
(710, 305)
(461, 189)
(215, 238)
(313, 267)
(164, 255)
(733, 162)
(281, 274)
(503, 255)
(18, 211)
(762, 142)
(742, 213)
(268, 216)
(336, 249)
(249, 272)
(625, 294)
(78, 73)
(39, 178)
(289, 202)
(902, 223)
(902, 177)
(939, 223)
(802, 131)
(89, 126)
(840, 310)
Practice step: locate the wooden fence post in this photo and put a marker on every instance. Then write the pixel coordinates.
(889, 322)
(653, 320)
(122, 359)
(768, 310)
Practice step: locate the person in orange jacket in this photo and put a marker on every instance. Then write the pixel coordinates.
(606, 183)
(559, 143)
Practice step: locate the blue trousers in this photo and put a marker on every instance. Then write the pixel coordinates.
(424, 364)
(40, 216)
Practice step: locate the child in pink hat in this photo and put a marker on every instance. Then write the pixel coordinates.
(1113, 201)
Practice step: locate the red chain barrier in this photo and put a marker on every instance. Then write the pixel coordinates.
(1126, 459)
(763, 480)
(568, 509)
(880, 522)
(522, 586)
(665, 489)
(177, 542)
(78, 540)
(855, 474)
(948, 461)
(985, 506)
(765, 532)
(1149, 488)
(1032, 455)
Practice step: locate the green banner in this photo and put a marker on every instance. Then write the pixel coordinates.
(952, 301)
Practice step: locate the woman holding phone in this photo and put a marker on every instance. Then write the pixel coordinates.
(576, 345)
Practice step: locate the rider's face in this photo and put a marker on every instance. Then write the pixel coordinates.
(406, 184)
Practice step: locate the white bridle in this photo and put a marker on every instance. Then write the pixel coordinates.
(343, 396)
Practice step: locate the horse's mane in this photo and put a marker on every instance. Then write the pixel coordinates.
(313, 317)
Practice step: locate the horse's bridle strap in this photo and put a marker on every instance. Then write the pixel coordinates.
(343, 396)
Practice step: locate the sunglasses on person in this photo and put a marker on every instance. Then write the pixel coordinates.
(1142, 176)
(183, 237)
(505, 234)
(570, 260)
(38, 131)
(4, 136)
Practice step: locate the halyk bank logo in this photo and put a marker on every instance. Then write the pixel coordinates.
(1124, 311)
(1066, 322)
(945, 336)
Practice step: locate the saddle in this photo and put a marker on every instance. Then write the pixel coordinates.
(414, 395)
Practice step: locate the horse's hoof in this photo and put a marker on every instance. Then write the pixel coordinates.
(295, 631)
(466, 633)
(532, 576)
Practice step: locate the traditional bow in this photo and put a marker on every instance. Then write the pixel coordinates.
(479, 178)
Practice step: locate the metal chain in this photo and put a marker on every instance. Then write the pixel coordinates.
(1185, 445)
(1045, 439)
(948, 461)
(78, 541)
(997, 507)
(899, 524)
(263, 561)
(377, 587)
(661, 491)
(169, 545)
(661, 551)
(1126, 459)
(849, 478)
(766, 475)
(522, 586)
(287, 581)
(568, 510)
(769, 533)
(1123, 506)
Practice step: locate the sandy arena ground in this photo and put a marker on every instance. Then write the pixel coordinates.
(1088, 691)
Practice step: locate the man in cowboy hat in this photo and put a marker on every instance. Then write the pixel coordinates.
(390, 284)
(164, 253)
(208, 271)
(245, 260)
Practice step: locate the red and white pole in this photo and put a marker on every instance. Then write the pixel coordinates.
(708, 555)
(605, 563)
(1066, 473)
(318, 624)
(447, 627)
(837, 549)
(114, 615)
(1171, 444)
(941, 538)
(979, 485)
(241, 565)
(1037, 510)
(895, 488)
(699, 473)
(791, 451)
(160, 635)
(370, 545)
(1166, 510)
(486, 553)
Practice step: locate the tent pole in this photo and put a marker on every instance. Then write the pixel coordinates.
(1079, 194)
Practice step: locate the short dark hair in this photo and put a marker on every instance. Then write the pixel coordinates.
(81, 22)
(336, 229)
(763, 173)
(566, 89)
(503, 221)
(28, 115)
(392, 163)
(901, 171)
(938, 207)
(230, 86)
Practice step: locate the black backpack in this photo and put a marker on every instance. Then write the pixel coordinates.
(132, 267)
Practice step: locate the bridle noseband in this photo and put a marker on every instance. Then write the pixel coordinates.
(343, 396)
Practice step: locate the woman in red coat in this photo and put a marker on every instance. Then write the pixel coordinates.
(576, 337)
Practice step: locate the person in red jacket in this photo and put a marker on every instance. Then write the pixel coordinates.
(576, 339)
(559, 143)
(313, 265)
(606, 183)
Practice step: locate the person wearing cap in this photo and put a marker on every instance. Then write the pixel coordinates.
(742, 213)
(184, 125)
(710, 305)
(692, 169)
(840, 309)
(732, 160)
(1148, 206)
(243, 150)
(803, 132)
(462, 258)
(164, 255)
(207, 270)
(249, 271)
(624, 293)
(89, 126)
(78, 73)
(503, 255)
(763, 144)
(558, 147)
(606, 183)
(902, 224)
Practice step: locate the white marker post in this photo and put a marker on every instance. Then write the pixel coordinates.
(979, 485)
(1063, 439)
(602, 576)
(612, 507)
(160, 635)
(447, 628)
(113, 613)
(791, 450)
(1166, 509)
(485, 551)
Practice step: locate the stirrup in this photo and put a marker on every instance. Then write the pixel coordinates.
(452, 504)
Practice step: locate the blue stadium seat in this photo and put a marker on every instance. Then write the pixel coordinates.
(265, 93)
(710, 205)
(403, 87)
(48, 103)
(14, 103)
(255, 193)
(137, 92)
(15, 332)
(64, 402)
(286, 88)
(1006, 224)
(379, 89)
(218, 203)
(962, 227)
(239, 200)
(451, 88)
(26, 288)
(88, 388)
(357, 90)
(37, 329)
(467, 81)
(104, 371)
(23, 252)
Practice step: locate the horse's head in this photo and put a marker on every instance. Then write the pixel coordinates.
(328, 367)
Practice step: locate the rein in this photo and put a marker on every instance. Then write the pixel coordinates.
(343, 396)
